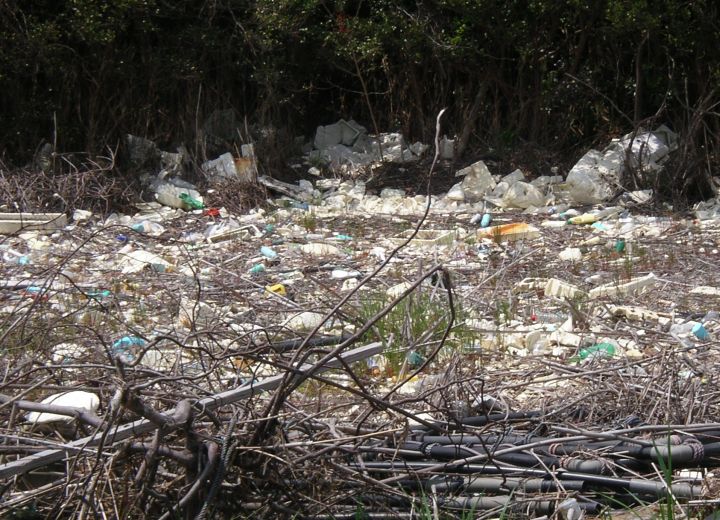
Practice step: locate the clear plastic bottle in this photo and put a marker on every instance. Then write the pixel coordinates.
(149, 228)
(11, 256)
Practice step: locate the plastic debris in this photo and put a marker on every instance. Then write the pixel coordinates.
(523, 195)
(81, 216)
(127, 348)
(173, 196)
(476, 183)
(596, 351)
(191, 202)
(509, 232)
(596, 176)
(277, 288)
(268, 253)
(137, 260)
(304, 321)
(257, 269)
(320, 250)
(570, 254)
(149, 228)
(344, 274)
(632, 287)
(82, 401)
(559, 289)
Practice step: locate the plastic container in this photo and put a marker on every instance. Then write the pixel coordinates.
(190, 202)
(598, 350)
(98, 294)
(268, 253)
(585, 218)
(344, 274)
(690, 327)
(699, 331)
(414, 359)
(149, 228)
(548, 317)
(169, 195)
(257, 269)
(13, 257)
(127, 347)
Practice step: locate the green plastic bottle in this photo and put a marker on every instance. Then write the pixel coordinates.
(189, 201)
(597, 350)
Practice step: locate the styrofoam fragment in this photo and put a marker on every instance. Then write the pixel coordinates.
(560, 289)
(570, 254)
(633, 287)
(319, 249)
(706, 290)
(304, 321)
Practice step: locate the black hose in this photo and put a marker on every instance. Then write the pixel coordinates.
(638, 486)
(482, 420)
(317, 341)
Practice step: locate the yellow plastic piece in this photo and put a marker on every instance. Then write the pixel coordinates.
(278, 289)
(585, 218)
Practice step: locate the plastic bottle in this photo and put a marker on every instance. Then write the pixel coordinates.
(98, 294)
(257, 269)
(127, 346)
(268, 253)
(689, 327)
(149, 228)
(699, 331)
(548, 317)
(190, 202)
(13, 257)
(585, 218)
(483, 220)
(711, 316)
(344, 274)
(415, 359)
(598, 350)
(299, 205)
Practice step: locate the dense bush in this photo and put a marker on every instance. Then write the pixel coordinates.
(560, 74)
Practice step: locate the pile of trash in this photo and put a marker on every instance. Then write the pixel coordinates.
(345, 147)
(335, 344)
